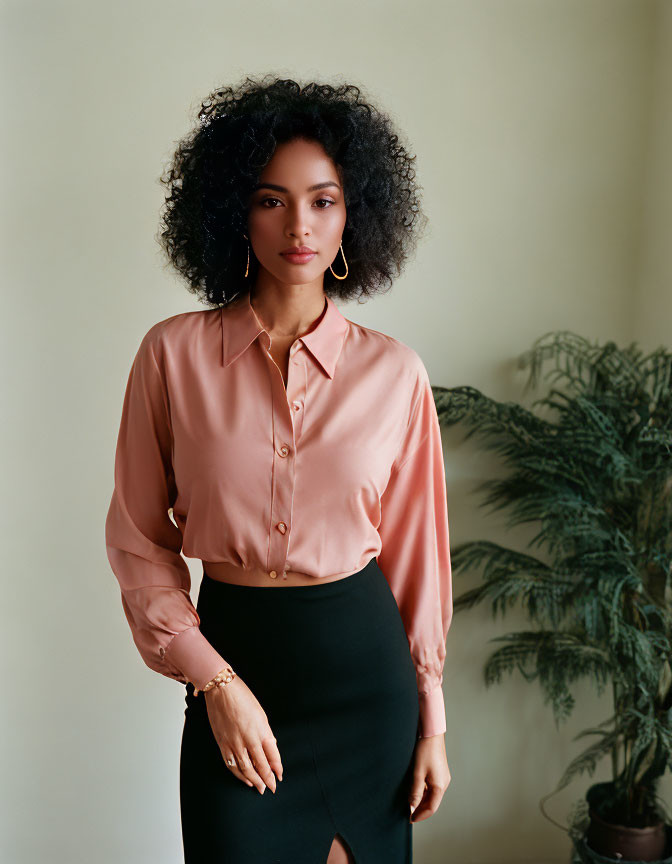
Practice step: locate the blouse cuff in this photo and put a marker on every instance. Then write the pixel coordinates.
(194, 656)
(432, 713)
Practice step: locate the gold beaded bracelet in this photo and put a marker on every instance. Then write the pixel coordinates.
(221, 679)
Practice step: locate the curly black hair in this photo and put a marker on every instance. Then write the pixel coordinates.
(215, 167)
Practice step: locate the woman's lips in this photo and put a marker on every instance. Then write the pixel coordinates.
(301, 258)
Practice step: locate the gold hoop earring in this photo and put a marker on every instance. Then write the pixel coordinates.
(247, 269)
(346, 265)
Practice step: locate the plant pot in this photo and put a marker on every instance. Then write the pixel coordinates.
(625, 844)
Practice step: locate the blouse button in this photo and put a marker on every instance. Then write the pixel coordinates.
(297, 406)
(273, 574)
(281, 527)
(284, 450)
(162, 652)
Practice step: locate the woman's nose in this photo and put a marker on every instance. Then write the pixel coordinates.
(298, 221)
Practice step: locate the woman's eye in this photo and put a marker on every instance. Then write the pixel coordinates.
(268, 199)
(327, 200)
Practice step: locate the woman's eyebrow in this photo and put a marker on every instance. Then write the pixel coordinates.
(283, 189)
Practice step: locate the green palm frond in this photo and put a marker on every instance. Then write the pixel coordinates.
(594, 476)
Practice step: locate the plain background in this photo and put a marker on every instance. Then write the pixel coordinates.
(543, 133)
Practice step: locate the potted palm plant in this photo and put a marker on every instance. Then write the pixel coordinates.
(595, 473)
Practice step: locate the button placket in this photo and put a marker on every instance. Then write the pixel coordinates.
(282, 486)
(296, 392)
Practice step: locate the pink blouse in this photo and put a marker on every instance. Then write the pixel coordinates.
(215, 459)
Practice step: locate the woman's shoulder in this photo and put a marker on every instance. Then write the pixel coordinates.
(183, 325)
(388, 347)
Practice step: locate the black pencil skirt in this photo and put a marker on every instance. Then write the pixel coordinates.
(331, 666)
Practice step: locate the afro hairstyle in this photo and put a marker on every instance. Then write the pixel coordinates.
(216, 166)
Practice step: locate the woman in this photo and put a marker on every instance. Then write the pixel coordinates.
(289, 448)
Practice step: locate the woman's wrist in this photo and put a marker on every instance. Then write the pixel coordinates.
(222, 679)
(433, 739)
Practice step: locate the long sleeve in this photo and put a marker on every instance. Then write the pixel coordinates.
(143, 544)
(415, 554)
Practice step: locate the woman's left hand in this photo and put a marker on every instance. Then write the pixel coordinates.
(431, 777)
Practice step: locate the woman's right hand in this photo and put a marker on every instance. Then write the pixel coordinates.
(241, 728)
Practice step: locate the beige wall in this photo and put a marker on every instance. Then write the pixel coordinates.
(543, 130)
(653, 298)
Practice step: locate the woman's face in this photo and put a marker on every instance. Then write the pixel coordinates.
(286, 211)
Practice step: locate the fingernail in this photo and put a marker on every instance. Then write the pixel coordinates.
(262, 790)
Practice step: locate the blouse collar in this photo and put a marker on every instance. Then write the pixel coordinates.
(240, 327)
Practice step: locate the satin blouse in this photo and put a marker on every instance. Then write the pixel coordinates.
(216, 459)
